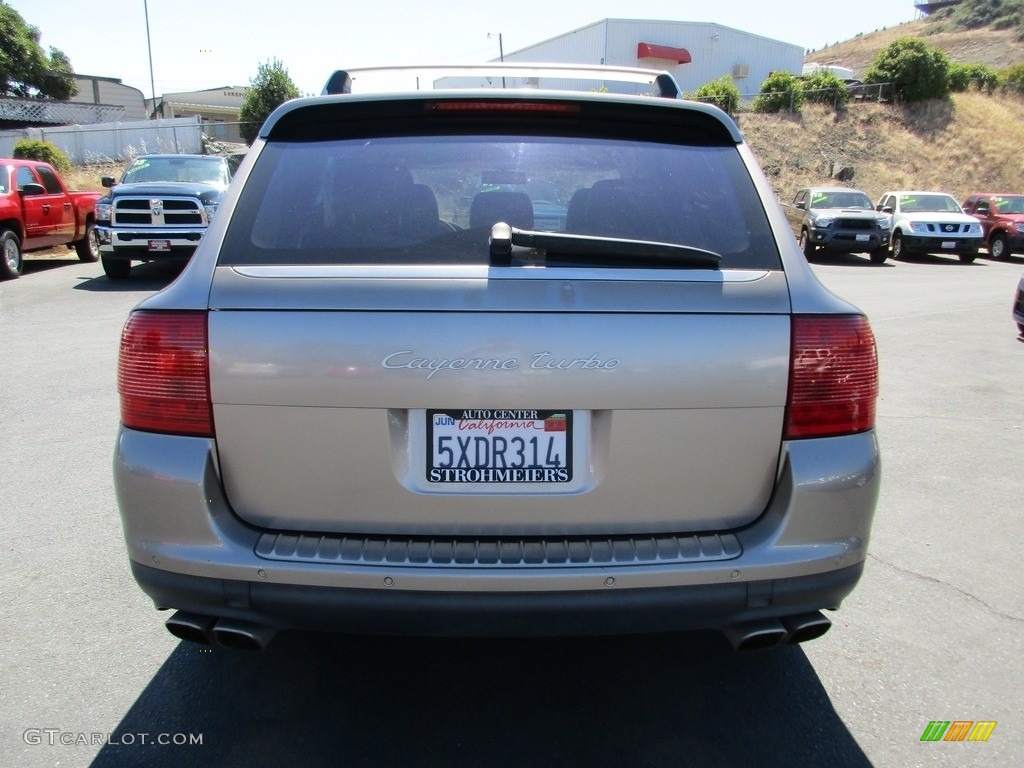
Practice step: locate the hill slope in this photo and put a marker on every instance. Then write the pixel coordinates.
(970, 143)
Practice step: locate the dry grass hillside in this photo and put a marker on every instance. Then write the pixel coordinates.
(970, 143)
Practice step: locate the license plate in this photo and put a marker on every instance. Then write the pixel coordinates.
(159, 245)
(501, 446)
(949, 244)
(863, 238)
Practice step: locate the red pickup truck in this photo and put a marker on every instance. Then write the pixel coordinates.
(1002, 221)
(37, 212)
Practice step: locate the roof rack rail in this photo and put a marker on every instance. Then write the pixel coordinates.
(340, 82)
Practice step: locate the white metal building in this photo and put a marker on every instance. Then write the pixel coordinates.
(694, 52)
(111, 91)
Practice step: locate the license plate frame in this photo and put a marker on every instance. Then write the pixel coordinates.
(507, 447)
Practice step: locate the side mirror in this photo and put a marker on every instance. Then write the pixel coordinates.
(31, 189)
(884, 209)
(108, 181)
(801, 205)
(983, 210)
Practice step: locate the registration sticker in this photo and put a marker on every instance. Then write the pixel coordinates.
(500, 446)
(160, 245)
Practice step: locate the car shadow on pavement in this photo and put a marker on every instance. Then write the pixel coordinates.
(150, 276)
(312, 699)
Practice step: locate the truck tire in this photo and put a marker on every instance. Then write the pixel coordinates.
(11, 260)
(879, 255)
(88, 248)
(806, 245)
(897, 245)
(998, 248)
(967, 258)
(116, 269)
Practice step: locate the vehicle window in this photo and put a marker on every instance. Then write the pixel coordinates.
(930, 204)
(50, 180)
(144, 169)
(1013, 204)
(25, 176)
(433, 199)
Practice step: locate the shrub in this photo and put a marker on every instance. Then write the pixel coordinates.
(981, 76)
(780, 91)
(824, 87)
(915, 70)
(30, 149)
(722, 92)
(1013, 79)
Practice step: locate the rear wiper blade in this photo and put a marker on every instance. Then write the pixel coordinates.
(600, 249)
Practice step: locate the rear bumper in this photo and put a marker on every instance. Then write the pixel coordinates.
(524, 614)
(189, 551)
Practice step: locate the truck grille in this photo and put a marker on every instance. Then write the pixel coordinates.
(864, 224)
(158, 212)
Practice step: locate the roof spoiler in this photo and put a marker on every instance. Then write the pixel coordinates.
(341, 81)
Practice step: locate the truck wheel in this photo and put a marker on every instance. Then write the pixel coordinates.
(88, 248)
(878, 256)
(967, 258)
(806, 245)
(897, 245)
(116, 269)
(11, 261)
(998, 247)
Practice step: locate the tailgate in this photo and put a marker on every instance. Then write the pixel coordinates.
(660, 402)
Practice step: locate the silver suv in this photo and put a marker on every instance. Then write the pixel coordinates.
(382, 399)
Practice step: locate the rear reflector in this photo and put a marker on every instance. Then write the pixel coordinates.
(833, 382)
(163, 374)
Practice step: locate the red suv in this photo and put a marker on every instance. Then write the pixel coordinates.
(1002, 221)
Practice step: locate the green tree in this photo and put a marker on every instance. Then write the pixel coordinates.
(31, 149)
(722, 92)
(26, 71)
(914, 70)
(780, 91)
(271, 87)
(824, 87)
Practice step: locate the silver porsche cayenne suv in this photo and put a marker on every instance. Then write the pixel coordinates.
(498, 361)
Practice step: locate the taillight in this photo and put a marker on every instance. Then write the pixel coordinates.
(163, 374)
(833, 381)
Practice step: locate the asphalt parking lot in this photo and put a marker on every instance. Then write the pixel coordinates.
(934, 632)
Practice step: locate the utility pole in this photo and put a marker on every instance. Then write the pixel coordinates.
(501, 51)
(149, 48)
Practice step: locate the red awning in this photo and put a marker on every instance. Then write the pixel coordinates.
(652, 51)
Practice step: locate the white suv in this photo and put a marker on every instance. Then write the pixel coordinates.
(929, 222)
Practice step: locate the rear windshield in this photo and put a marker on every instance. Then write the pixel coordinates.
(433, 199)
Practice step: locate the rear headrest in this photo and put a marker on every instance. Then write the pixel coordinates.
(513, 208)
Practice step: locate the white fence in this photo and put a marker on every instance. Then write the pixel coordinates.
(85, 144)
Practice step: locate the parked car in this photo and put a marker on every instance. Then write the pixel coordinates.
(1018, 307)
(838, 220)
(929, 222)
(160, 209)
(1002, 221)
(37, 212)
(351, 413)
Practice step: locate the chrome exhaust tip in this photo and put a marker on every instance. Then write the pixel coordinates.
(191, 626)
(754, 635)
(242, 635)
(806, 626)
